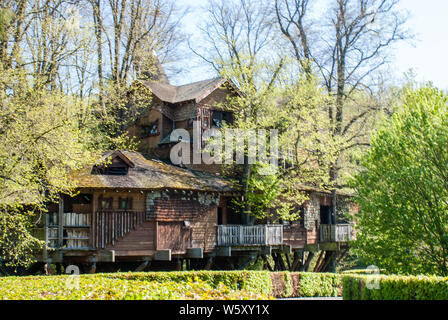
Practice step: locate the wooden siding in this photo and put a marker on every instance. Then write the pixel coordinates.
(142, 241)
(295, 236)
(174, 236)
(204, 230)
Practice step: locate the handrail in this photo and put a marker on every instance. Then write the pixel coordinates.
(235, 235)
(335, 233)
(112, 225)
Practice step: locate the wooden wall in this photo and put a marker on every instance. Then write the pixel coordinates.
(139, 242)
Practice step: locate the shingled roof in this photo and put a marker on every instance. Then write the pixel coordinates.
(193, 91)
(151, 174)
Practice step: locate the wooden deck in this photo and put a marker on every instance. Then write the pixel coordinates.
(239, 235)
(335, 233)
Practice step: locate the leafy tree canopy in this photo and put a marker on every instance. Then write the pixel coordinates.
(403, 191)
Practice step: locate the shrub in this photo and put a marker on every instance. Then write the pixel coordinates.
(281, 284)
(251, 281)
(318, 284)
(395, 288)
(107, 288)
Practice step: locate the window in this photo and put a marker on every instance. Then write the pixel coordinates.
(125, 203)
(151, 130)
(221, 116)
(205, 123)
(105, 203)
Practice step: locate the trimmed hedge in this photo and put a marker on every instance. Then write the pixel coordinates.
(104, 288)
(251, 281)
(305, 284)
(277, 284)
(355, 287)
(319, 285)
(176, 285)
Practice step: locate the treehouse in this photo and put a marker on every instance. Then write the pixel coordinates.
(133, 208)
(130, 208)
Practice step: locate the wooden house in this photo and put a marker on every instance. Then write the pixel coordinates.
(141, 208)
(130, 208)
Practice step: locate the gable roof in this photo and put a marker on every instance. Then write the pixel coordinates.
(193, 91)
(151, 174)
(115, 154)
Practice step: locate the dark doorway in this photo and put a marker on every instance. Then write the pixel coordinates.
(325, 214)
(233, 217)
(219, 216)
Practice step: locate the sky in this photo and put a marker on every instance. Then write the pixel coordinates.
(426, 55)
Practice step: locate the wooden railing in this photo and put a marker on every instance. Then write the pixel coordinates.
(335, 233)
(112, 225)
(238, 235)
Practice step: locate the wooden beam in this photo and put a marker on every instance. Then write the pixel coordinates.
(106, 256)
(195, 253)
(266, 262)
(92, 268)
(60, 221)
(209, 263)
(298, 260)
(318, 263)
(163, 255)
(266, 250)
(306, 266)
(232, 266)
(245, 264)
(288, 262)
(143, 265)
(223, 252)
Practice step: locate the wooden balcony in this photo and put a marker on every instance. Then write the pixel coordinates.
(335, 233)
(238, 235)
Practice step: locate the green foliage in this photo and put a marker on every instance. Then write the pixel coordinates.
(175, 285)
(403, 191)
(395, 287)
(99, 287)
(282, 286)
(319, 285)
(251, 281)
(44, 135)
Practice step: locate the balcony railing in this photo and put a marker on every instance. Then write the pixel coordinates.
(335, 233)
(113, 225)
(238, 235)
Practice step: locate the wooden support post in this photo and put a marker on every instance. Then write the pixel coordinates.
(274, 257)
(92, 269)
(46, 269)
(143, 265)
(306, 266)
(288, 262)
(229, 261)
(245, 264)
(318, 263)
(329, 259)
(60, 222)
(179, 265)
(266, 263)
(209, 263)
(298, 260)
(281, 262)
(342, 256)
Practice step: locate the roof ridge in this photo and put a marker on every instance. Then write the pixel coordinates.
(196, 82)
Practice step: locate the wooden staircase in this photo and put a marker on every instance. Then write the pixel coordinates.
(111, 226)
